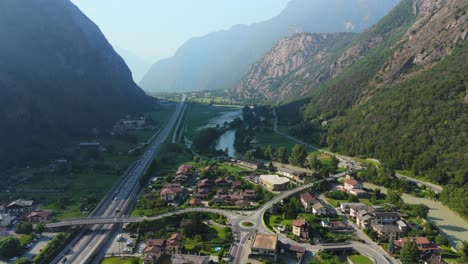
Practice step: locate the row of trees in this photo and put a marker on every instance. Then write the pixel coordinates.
(298, 156)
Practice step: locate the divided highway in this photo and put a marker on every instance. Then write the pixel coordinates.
(117, 203)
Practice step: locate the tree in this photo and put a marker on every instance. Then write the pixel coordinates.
(394, 197)
(442, 240)
(39, 228)
(24, 228)
(334, 163)
(269, 152)
(298, 155)
(464, 251)
(282, 154)
(313, 162)
(410, 253)
(249, 155)
(24, 261)
(9, 247)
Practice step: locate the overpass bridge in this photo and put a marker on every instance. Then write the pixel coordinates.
(95, 220)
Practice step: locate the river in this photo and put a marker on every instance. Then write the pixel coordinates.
(226, 140)
(452, 225)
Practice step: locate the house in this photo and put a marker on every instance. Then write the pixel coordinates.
(205, 183)
(174, 244)
(291, 250)
(184, 169)
(359, 193)
(189, 259)
(307, 200)
(59, 165)
(274, 182)
(170, 194)
(89, 145)
(236, 185)
(322, 209)
(242, 203)
(195, 202)
(385, 218)
(201, 194)
(338, 225)
(435, 260)
(221, 182)
(350, 184)
(293, 174)
(181, 179)
(387, 232)
(252, 164)
(301, 228)
(39, 216)
(424, 245)
(264, 246)
(402, 225)
(364, 218)
(5, 219)
(248, 195)
(345, 207)
(154, 249)
(20, 206)
(353, 211)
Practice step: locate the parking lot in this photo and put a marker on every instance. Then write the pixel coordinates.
(38, 245)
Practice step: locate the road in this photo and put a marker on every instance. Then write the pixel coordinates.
(242, 234)
(119, 202)
(348, 161)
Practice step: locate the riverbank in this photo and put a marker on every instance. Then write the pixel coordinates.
(452, 225)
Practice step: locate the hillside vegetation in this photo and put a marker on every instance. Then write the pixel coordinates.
(398, 101)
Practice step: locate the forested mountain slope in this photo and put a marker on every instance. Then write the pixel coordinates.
(59, 77)
(405, 101)
(220, 59)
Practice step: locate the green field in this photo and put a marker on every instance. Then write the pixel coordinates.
(89, 180)
(123, 260)
(274, 220)
(359, 259)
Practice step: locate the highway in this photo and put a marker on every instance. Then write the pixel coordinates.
(118, 202)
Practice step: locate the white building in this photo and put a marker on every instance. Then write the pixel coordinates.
(274, 182)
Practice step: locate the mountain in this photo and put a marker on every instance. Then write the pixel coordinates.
(59, 77)
(400, 97)
(219, 60)
(279, 74)
(138, 65)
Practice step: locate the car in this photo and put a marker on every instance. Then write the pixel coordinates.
(64, 260)
(117, 210)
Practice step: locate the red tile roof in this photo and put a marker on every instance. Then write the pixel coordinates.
(299, 222)
(351, 182)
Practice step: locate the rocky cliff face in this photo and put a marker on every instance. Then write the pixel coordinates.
(283, 67)
(441, 25)
(59, 77)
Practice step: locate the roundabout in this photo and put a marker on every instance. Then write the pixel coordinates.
(247, 224)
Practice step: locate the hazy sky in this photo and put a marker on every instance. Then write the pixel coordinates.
(156, 28)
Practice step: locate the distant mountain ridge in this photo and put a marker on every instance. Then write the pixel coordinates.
(219, 60)
(59, 77)
(138, 65)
